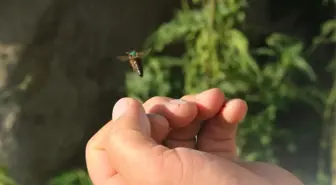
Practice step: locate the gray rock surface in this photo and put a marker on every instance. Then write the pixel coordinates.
(55, 88)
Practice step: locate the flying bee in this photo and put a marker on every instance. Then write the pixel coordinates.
(134, 58)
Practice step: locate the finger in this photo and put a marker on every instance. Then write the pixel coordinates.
(179, 113)
(159, 127)
(129, 143)
(208, 104)
(183, 136)
(218, 134)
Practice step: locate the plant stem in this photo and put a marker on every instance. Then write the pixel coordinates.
(212, 13)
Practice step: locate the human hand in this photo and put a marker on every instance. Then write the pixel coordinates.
(128, 150)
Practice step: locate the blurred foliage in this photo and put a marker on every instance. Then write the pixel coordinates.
(4, 179)
(328, 36)
(74, 177)
(217, 53)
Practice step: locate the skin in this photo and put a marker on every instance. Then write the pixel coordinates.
(154, 143)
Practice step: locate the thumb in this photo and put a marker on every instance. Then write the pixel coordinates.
(129, 144)
(132, 115)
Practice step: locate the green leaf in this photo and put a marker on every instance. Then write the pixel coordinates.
(302, 65)
(265, 51)
(329, 28)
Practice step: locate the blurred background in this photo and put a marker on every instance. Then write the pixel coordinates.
(59, 77)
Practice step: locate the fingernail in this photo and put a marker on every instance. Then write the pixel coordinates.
(119, 108)
(177, 101)
(199, 95)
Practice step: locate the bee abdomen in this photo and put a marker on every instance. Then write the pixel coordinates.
(137, 66)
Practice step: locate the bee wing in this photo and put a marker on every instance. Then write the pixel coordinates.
(122, 58)
(143, 53)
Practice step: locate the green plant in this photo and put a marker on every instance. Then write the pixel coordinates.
(74, 177)
(218, 54)
(5, 179)
(327, 141)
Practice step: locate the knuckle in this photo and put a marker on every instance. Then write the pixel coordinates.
(157, 99)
